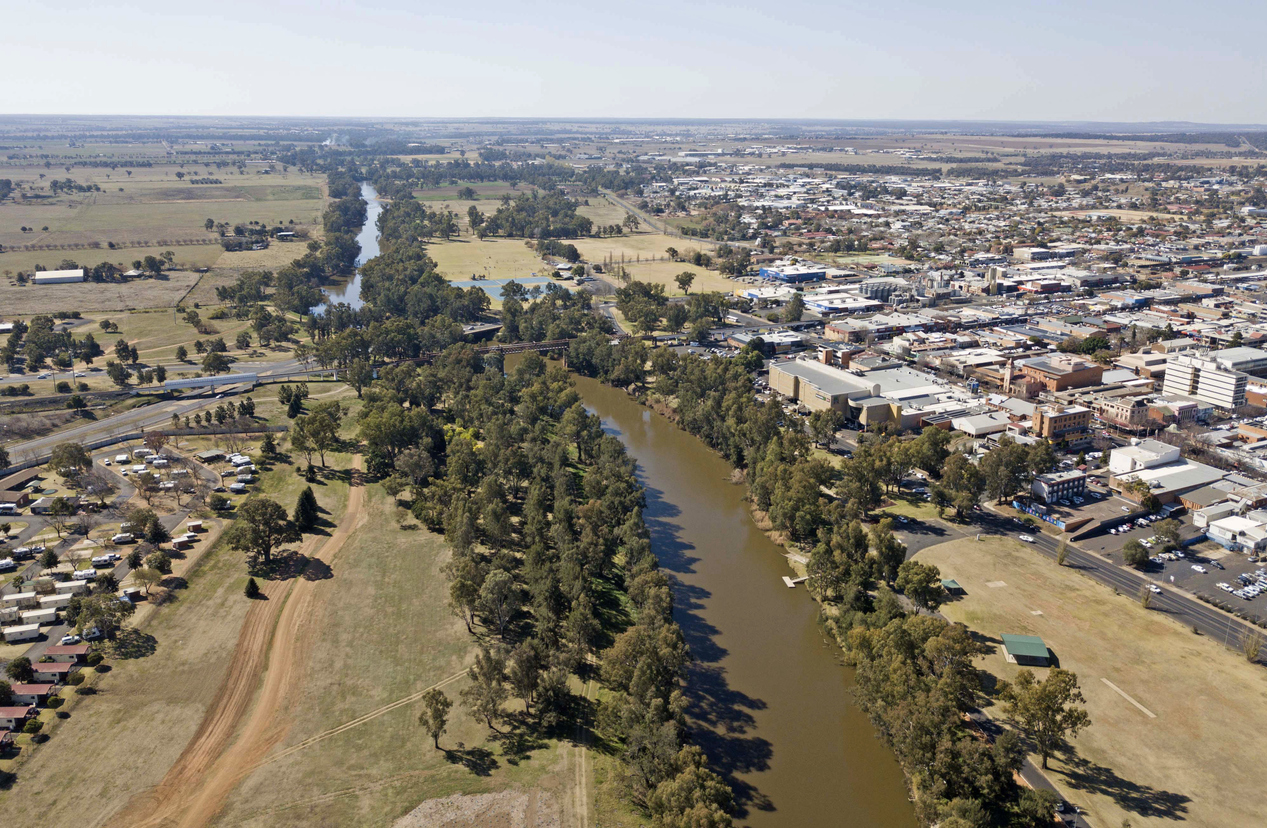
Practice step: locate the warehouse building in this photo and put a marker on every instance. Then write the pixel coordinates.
(59, 277)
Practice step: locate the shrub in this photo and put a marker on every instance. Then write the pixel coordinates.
(85, 690)
(252, 588)
(95, 658)
(76, 679)
(33, 726)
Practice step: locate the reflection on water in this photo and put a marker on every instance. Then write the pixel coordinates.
(349, 292)
(768, 695)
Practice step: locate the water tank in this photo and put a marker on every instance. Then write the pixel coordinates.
(1260, 250)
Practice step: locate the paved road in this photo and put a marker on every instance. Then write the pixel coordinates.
(1179, 605)
(37, 524)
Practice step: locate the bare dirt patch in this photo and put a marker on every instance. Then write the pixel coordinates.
(508, 809)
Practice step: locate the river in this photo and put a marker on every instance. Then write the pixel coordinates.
(768, 694)
(350, 291)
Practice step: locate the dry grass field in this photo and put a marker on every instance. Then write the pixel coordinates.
(276, 256)
(464, 257)
(489, 192)
(144, 209)
(89, 297)
(385, 635)
(645, 258)
(1194, 759)
(601, 211)
(123, 741)
(188, 257)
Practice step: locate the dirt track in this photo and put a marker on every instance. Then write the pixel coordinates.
(274, 644)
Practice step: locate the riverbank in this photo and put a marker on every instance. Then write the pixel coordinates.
(768, 699)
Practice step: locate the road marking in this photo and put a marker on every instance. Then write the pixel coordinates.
(1150, 714)
(995, 584)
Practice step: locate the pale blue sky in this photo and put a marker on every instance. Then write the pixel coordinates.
(981, 59)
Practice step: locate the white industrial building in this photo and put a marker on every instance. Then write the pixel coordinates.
(1238, 534)
(59, 277)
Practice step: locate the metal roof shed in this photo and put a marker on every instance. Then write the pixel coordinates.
(1026, 649)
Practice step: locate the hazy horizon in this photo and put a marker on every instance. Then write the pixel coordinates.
(907, 60)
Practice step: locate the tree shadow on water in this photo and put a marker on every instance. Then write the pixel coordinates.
(720, 717)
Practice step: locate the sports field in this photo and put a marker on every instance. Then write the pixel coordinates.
(1178, 724)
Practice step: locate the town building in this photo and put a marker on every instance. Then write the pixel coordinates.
(1129, 413)
(1061, 424)
(1060, 372)
(1059, 485)
(1252, 361)
(1239, 534)
(1206, 380)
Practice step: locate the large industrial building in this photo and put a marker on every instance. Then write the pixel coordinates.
(59, 277)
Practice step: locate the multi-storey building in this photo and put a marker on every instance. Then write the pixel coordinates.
(1059, 485)
(1203, 379)
(1061, 423)
(1057, 373)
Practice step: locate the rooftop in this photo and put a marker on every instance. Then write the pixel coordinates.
(1028, 646)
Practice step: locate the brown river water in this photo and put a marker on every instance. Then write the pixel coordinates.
(769, 698)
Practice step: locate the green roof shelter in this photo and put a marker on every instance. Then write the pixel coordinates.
(1028, 650)
(951, 586)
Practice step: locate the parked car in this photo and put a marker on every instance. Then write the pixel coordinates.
(93, 634)
(1199, 568)
(71, 639)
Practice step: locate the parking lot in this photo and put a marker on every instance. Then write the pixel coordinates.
(1221, 567)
